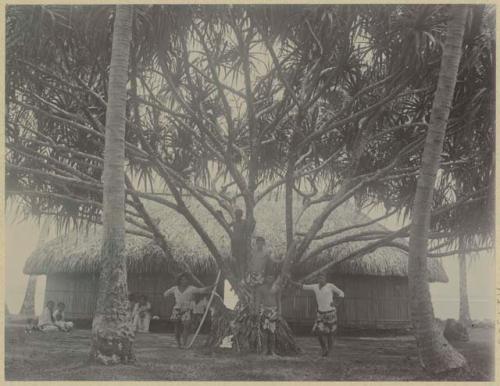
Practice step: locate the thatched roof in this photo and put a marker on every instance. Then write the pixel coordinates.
(81, 252)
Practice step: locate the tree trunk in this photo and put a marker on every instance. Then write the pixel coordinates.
(28, 306)
(464, 314)
(112, 335)
(244, 323)
(436, 354)
(289, 198)
(246, 329)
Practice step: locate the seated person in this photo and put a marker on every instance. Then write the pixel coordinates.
(142, 315)
(32, 325)
(46, 320)
(59, 318)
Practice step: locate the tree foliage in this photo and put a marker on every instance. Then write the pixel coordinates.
(233, 104)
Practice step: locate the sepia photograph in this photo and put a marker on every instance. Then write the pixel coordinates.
(250, 192)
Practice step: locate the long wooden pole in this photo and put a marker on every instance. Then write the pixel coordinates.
(206, 310)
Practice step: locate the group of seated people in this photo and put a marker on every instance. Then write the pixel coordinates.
(52, 318)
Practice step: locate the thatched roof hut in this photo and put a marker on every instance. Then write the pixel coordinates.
(80, 252)
(376, 285)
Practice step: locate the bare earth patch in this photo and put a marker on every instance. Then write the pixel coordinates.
(62, 356)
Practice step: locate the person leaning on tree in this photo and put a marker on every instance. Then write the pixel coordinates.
(325, 326)
(142, 317)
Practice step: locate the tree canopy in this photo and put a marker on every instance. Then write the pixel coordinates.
(233, 104)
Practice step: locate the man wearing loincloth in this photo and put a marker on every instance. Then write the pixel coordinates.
(184, 294)
(267, 300)
(257, 263)
(325, 326)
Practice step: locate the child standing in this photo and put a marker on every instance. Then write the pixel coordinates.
(142, 314)
(132, 307)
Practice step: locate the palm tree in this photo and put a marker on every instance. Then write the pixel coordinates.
(436, 354)
(464, 313)
(28, 307)
(112, 335)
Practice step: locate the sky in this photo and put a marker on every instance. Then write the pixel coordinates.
(22, 238)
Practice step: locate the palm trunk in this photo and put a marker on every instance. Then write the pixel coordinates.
(436, 354)
(464, 314)
(28, 306)
(112, 335)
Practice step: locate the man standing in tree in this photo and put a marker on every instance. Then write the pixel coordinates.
(267, 300)
(258, 263)
(325, 325)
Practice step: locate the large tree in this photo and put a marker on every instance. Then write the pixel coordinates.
(112, 333)
(230, 105)
(436, 354)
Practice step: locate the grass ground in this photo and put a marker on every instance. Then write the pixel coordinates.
(61, 356)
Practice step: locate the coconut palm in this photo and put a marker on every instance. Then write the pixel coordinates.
(112, 335)
(435, 353)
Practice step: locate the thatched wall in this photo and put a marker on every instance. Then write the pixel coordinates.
(370, 302)
(79, 292)
(81, 252)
